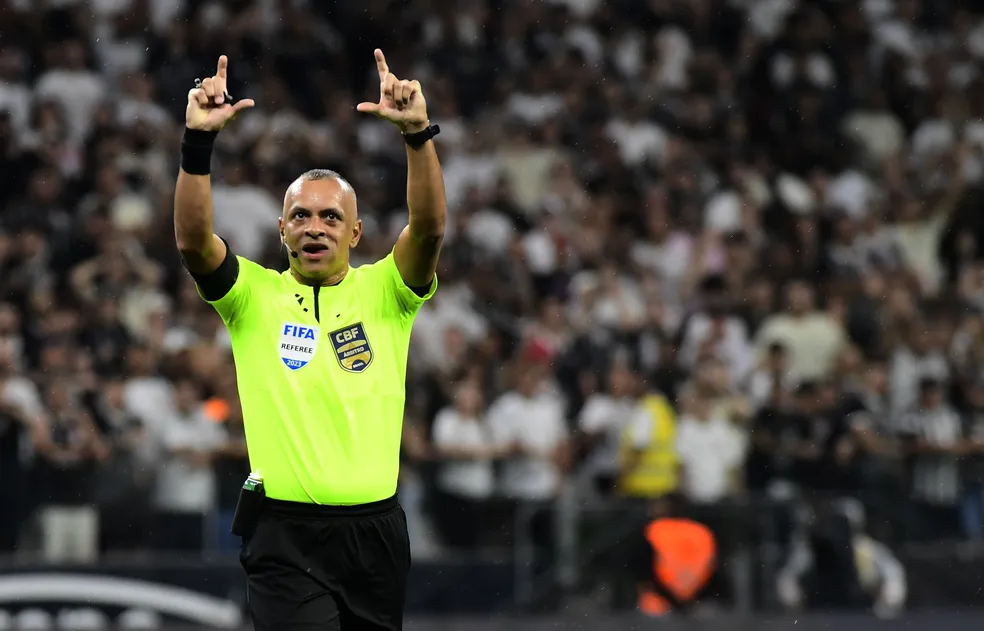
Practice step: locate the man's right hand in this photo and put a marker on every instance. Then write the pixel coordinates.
(207, 107)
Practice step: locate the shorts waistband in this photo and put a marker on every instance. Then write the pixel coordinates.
(304, 510)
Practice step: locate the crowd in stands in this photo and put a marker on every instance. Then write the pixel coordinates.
(728, 248)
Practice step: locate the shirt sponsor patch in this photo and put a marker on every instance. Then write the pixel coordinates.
(298, 342)
(352, 347)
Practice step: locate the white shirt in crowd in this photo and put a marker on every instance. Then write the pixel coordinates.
(606, 416)
(184, 486)
(537, 425)
(21, 394)
(246, 214)
(464, 170)
(760, 387)
(880, 132)
(814, 340)
(710, 451)
(451, 308)
(935, 477)
(150, 399)
(79, 92)
(906, 370)
(733, 347)
(638, 141)
(471, 479)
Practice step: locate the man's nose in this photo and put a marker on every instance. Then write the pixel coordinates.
(315, 231)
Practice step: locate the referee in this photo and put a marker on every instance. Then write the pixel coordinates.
(321, 355)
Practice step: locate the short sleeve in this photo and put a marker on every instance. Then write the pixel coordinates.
(404, 299)
(235, 301)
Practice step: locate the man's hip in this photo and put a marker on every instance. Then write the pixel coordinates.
(327, 567)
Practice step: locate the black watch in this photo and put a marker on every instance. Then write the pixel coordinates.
(416, 140)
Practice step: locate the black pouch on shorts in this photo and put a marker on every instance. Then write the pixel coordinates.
(248, 508)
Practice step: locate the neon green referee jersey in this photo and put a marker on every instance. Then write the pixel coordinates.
(322, 379)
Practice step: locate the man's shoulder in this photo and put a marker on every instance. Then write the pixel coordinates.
(256, 268)
(372, 270)
(258, 276)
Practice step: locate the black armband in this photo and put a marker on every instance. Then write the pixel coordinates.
(423, 290)
(215, 285)
(196, 151)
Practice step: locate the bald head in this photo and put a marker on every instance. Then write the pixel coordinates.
(320, 224)
(319, 175)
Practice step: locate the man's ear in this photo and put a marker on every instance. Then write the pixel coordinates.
(356, 233)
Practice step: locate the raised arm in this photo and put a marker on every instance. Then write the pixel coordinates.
(209, 110)
(402, 103)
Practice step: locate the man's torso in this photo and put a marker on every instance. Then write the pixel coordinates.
(321, 373)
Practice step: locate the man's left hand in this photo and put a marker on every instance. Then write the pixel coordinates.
(401, 102)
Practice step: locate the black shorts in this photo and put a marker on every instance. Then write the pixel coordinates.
(328, 568)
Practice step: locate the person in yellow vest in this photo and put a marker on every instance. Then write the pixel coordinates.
(649, 465)
(673, 561)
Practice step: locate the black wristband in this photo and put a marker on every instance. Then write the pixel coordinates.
(420, 138)
(196, 151)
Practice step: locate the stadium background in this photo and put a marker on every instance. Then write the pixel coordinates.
(767, 210)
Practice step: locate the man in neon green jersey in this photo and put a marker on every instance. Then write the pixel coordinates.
(321, 354)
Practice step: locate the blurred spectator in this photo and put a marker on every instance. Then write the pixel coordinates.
(463, 440)
(185, 490)
(834, 562)
(530, 431)
(70, 452)
(935, 440)
(231, 465)
(770, 383)
(601, 424)
(919, 356)
(648, 459)
(711, 449)
(125, 483)
(813, 337)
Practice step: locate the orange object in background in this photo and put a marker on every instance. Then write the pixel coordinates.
(685, 560)
(217, 410)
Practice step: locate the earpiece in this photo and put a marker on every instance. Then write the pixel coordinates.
(284, 243)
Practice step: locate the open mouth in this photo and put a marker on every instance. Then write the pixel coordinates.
(314, 248)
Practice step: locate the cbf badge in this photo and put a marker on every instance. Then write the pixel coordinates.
(298, 342)
(352, 347)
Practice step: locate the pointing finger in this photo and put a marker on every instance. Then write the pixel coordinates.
(220, 80)
(381, 66)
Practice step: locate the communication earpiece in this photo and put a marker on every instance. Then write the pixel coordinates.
(284, 243)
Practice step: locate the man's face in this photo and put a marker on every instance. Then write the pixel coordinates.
(800, 299)
(320, 224)
(932, 397)
(620, 381)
